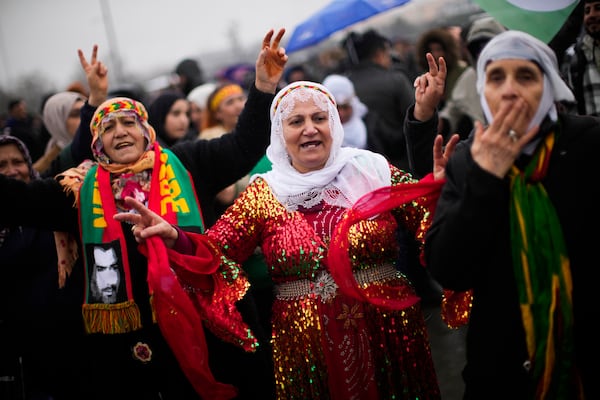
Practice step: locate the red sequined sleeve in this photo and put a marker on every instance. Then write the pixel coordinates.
(239, 230)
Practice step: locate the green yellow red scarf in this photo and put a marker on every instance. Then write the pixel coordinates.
(171, 195)
(543, 276)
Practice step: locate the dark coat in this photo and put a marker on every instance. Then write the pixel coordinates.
(387, 93)
(39, 323)
(468, 246)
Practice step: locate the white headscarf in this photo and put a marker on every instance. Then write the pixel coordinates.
(199, 95)
(348, 173)
(55, 114)
(342, 89)
(520, 45)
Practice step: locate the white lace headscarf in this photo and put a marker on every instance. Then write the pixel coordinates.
(520, 45)
(348, 173)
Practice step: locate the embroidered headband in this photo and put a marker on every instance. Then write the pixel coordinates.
(223, 93)
(119, 105)
(301, 85)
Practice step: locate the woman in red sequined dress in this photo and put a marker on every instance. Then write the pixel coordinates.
(345, 327)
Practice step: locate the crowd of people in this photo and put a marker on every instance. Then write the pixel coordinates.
(277, 235)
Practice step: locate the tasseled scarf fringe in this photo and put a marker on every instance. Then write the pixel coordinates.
(111, 318)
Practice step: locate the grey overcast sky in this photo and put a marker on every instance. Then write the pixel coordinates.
(41, 37)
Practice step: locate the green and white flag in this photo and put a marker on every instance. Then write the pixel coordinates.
(540, 18)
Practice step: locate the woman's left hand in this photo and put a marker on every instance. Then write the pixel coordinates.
(441, 155)
(270, 62)
(146, 223)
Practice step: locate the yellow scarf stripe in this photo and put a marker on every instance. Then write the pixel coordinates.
(527, 317)
(550, 354)
(566, 273)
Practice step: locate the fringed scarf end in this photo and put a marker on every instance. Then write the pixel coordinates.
(111, 318)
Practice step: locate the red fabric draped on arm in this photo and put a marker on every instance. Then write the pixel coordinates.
(371, 204)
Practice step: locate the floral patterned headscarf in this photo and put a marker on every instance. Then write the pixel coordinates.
(113, 108)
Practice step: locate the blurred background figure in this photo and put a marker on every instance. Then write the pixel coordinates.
(78, 87)
(61, 118)
(168, 115)
(25, 126)
(385, 91)
(441, 42)
(580, 65)
(189, 74)
(198, 99)
(241, 74)
(463, 107)
(403, 56)
(31, 302)
(296, 72)
(351, 110)
(224, 106)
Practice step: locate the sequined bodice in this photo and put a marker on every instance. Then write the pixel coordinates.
(295, 243)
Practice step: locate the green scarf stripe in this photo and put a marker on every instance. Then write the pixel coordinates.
(86, 195)
(88, 233)
(543, 278)
(194, 216)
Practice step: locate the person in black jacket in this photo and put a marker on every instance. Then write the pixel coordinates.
(31, 303)
(151, 343)
(515, 228)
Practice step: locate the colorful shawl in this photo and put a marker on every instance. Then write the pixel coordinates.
(543, 277)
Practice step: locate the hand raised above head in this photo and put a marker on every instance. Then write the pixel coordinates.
(97, 76)
(429, 88)
(270, 62)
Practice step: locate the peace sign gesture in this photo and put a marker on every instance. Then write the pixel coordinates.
(97, 76)
(270, 62)
(147, 223)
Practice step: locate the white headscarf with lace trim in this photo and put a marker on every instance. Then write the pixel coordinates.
(348, 173)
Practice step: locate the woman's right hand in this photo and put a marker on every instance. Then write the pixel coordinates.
(146, 223)
(97, 77)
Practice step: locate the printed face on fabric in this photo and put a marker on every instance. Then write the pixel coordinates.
(106, 276)
(13, 163)
(307, 135)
